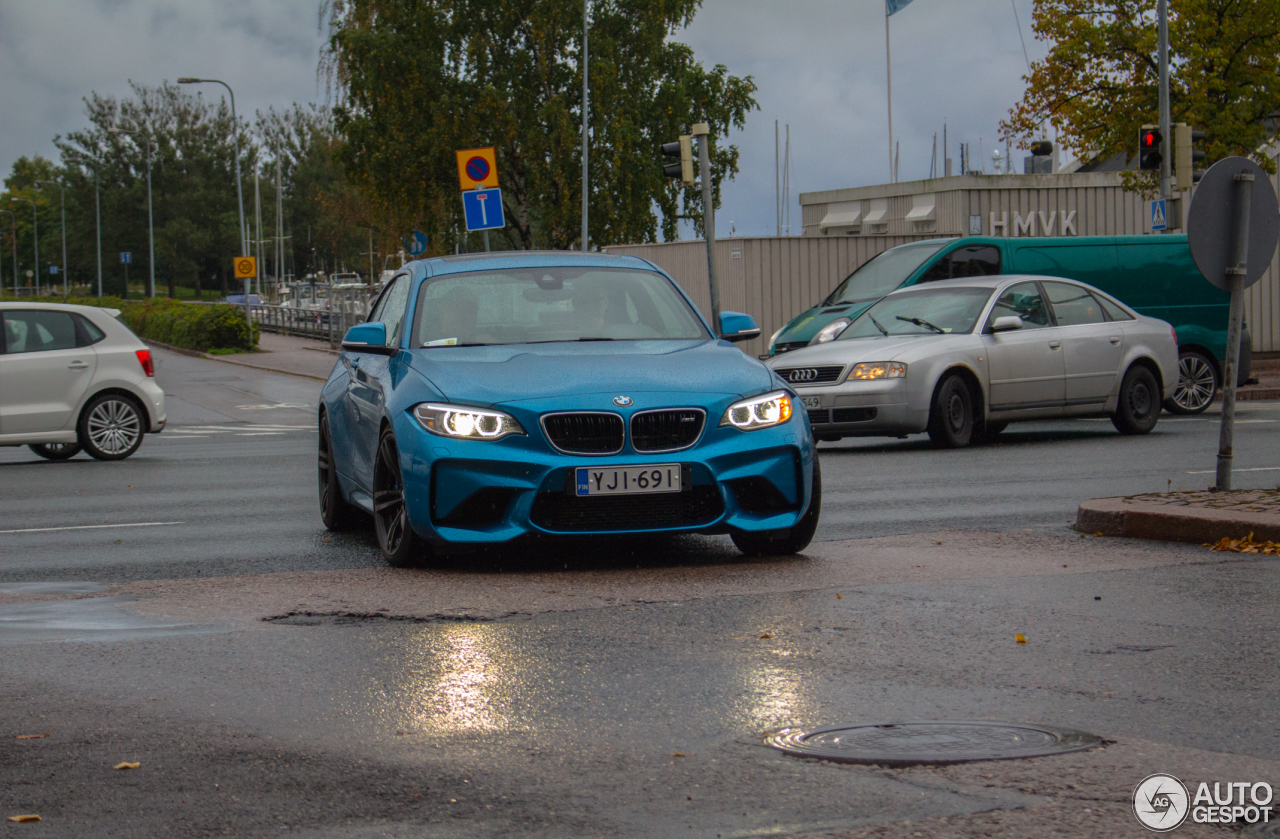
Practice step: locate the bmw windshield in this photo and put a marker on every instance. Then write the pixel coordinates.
(883, 273)
(542, 305)
(936, 311)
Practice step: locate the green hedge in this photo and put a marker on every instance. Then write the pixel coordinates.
(193, 326)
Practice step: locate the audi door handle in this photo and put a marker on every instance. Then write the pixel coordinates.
(1114, 339)
(77, 365)
(1053, 345)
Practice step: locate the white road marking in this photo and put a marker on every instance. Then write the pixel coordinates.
(1253, 469)
(93, 526)
(259, 433)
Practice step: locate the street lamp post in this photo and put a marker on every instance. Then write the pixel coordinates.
(85, 157)
(35, 222)
(14, 228)
(151, 229)
(62, 191)
(235, 138)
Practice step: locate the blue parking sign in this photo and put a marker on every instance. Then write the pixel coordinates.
(483, 209)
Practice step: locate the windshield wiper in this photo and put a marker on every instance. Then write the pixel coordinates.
(571, 340)
(429, 346)
(924, 323)
(883, 331)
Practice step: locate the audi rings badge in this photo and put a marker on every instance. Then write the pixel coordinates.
(802, 374)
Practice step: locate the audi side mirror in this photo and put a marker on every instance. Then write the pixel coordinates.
(1006, 323)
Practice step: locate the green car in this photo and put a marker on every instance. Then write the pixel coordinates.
(1153, 274)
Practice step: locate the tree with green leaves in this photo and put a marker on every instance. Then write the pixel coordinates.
(418, 80)
(1100, 81)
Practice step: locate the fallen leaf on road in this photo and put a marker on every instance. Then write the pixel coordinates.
(31, 736)
(1099, 533)
(133, 765)
(839, 597)
(766, 635)
(678, 754)
(1245, 546)
(1020, 638)
(29, 817)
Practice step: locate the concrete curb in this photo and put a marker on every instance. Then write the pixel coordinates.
(229, 360)
(1254, 395)
(1170, 523)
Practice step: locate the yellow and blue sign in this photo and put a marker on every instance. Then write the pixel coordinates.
(477, 169)
(483, 209)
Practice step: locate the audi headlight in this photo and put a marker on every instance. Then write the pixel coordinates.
(830, 331)
(759, 412)
(464, 423)
(871, 370)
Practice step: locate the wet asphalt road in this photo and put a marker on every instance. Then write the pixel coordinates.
(334, 697)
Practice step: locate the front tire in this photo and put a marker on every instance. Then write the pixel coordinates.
(1139, 405)
(1197, 383)
(336, 513)
(111, 427)
(951, 419)
(400, 545)
(56, 451)
(792, 540)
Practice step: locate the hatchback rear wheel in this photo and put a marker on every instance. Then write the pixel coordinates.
(111, 426)
(401, 547)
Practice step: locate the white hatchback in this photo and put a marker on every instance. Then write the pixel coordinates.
(72, 378)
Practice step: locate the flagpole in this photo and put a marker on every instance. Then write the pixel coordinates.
(888, 66)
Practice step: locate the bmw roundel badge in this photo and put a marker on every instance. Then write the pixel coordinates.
(622, 401)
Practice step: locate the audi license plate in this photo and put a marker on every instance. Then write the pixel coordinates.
(814, 402)
(627, 480)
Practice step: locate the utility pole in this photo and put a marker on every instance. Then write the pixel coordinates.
(1166, 135)
(257, 211)
(702, 131)
(586, 109)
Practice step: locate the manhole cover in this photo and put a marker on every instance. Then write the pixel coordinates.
(907, 743)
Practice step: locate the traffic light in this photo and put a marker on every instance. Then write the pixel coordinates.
(1042, 148)
(1185, 155)
(683, 150)
(1149, 139)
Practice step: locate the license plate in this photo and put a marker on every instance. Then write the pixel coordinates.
(627, 480)
(812, 401)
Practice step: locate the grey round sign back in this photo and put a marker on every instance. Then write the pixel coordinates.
(929, 742)
(1211, 223)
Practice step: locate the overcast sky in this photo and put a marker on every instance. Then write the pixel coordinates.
(819, 64)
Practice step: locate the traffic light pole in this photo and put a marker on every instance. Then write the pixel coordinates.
(1166, 135)
(703, 132)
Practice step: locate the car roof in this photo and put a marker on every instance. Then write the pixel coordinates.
(989, 281)
(460, 263)
(12, 305)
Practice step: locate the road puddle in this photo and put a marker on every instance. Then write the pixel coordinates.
(85, 619)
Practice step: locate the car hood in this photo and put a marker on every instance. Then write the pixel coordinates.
(492, 375)
(880, 348)
(808, 323)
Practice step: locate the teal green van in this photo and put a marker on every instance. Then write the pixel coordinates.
(1153, 274)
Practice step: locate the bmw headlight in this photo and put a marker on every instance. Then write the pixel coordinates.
(465, 423)
(830, 331)
(871, 370)
(759, 412)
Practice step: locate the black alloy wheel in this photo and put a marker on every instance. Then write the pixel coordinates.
(400, 545)
(55, 451)
(1197, 383)
(336, 513)
(792, 540)
(1139, 405)
(951, 419)
(111, 426)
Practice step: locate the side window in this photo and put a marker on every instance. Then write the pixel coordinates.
(375, 314)
(1023, 300)
(36, 331)
(940, 270)
(89, 334)
(975, 261)
(1113, 311)
(1073, 305)
(391, 310)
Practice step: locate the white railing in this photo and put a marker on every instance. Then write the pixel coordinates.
(326, 320)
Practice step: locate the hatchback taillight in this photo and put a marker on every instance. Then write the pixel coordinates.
(1175, 335)
(144, 358)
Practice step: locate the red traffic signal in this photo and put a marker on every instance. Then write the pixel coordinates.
(1149, 156)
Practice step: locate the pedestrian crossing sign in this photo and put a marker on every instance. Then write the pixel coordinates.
(1159, 214)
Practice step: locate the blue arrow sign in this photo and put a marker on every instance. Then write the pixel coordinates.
(125, 257)
(483, 209)
(417, 243)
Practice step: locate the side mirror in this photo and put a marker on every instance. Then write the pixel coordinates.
(368, 337)
(1006, 323)
(735, 327)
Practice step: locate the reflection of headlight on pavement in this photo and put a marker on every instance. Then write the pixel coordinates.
(466, 423)
(758, 412)
(830, 331)
(870, 370)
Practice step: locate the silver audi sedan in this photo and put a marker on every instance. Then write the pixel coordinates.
(961, 359)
